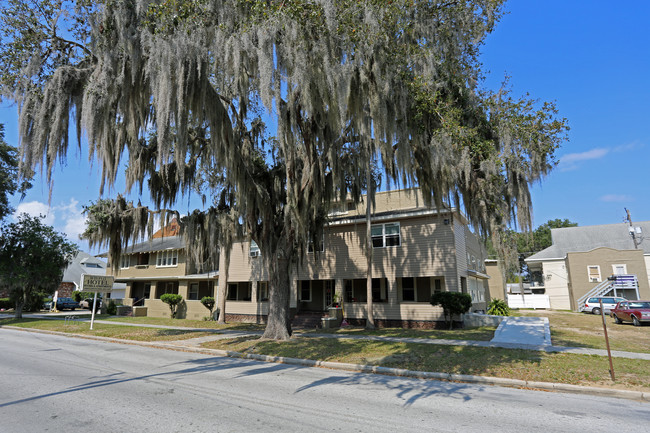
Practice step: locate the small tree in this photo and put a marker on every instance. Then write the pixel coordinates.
(208, 302)
(452, 303)
(33, 257)
(76, 295)
(173, 300)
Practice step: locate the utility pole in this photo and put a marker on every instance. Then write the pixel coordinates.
(632, 229)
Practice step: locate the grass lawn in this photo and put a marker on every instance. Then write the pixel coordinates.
(485, 333)
(104, 330)
(496, 362)
(586, 330)
(166, 321)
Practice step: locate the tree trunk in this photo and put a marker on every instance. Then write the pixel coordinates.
(278, 326)
(370, 318)
(20, 303)
(222, 290)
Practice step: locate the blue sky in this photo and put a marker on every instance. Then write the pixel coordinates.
(591, 57)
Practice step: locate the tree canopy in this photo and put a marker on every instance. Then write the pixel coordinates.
(177, 91)
(33, 257)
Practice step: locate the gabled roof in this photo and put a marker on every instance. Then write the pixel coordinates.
(581, 239)
(83, 263)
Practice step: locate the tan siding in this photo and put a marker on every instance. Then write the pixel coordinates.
(426, 249)
(404, 311)
(150, 270)
(577, 264)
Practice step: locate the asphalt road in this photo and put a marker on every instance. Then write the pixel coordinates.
(62, 384)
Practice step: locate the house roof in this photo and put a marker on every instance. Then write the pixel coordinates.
(580, 239)
(83, 263)
(157, 244)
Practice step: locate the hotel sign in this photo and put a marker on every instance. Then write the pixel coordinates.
(96, 283)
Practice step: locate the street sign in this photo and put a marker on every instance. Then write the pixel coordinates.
(97, 283)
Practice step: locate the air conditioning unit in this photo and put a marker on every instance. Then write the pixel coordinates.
(593, 280)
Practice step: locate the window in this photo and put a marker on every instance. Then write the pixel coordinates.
(92, 265)
(305, 291)
(619, 269)
(125, 261)
(193, 294)
(254, 250)
(310, 245)
(437, 286)
(385, 235)
(263, 291)
(408, 289)
(594, 273)
(167, 258)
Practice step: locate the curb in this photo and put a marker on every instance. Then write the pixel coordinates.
(372, 369)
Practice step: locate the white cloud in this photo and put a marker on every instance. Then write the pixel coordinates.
(34, 209)
(572, 158)
(64, 217)
(616, 198)
(635, 145)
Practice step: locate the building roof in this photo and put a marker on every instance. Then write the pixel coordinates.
(157, 244)
(581, 239)
(83, 263)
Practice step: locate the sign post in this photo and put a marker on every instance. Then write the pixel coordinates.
(96, 284)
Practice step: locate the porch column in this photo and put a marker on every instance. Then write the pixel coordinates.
(183, 289)
(153, 289)
(339, 290)
(293, 294)
(253, 291)
(392, 291)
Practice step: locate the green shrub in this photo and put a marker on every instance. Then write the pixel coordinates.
(452, 303)
(76, 295)
(173, 300)
(111, 308)
(208, 302)
(7, 304)
(498, 307)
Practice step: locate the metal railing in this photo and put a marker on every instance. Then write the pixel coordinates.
(613, 283)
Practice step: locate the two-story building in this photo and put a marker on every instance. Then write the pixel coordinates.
(582, 260)
(417, 251)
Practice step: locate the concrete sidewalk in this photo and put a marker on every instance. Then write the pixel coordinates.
(533, 331)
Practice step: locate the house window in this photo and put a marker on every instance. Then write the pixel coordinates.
(254, 250)
(385, 235)
(437, 286)
(263, 291)
(167, 259)
(125, 261)
(305, 291)
(593, 273)
(193, 294)
(408, 289)
(619, 269)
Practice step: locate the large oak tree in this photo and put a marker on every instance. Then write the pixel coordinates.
(177, 91)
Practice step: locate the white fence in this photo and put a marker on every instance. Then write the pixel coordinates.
(529, 301)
